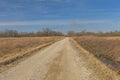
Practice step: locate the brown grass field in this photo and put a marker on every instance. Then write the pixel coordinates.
(104, 48)
(15, 46)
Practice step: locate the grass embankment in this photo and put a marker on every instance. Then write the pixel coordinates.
(102, 47)
(12, 49)
(93, 46)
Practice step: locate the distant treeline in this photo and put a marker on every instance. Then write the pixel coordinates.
(85, 33)
(49, 32)
(44, 32)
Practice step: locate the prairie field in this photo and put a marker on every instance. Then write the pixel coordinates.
(106, 49)
(12, 46)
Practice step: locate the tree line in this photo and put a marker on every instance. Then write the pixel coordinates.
(44, 32)
(85, 33)
(49, 32)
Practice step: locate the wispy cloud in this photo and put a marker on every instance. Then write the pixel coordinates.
(63, 25)
(55, 22)
(34, 23)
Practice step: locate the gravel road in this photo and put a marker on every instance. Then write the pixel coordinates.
(59, 61)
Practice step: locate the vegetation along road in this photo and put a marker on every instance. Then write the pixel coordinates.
(59, 61)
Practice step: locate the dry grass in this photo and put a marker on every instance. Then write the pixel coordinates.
(14, 46)
(100, 69)
(107, 47)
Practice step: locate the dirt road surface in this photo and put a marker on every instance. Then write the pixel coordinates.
(60, 61)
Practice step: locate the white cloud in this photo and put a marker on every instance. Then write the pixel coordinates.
(33, 23)
(56, 22)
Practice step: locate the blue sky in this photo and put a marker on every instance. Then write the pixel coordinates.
(60, 15)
